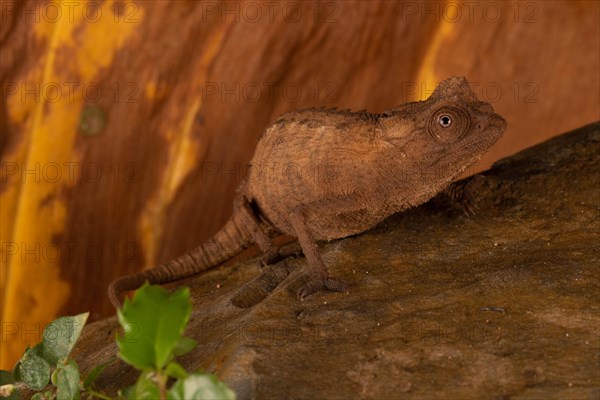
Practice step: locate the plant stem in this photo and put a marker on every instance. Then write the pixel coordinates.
(162, 385)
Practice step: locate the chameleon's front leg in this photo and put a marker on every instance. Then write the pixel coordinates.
(319, 279)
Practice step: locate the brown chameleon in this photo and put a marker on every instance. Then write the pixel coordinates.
(324, 174)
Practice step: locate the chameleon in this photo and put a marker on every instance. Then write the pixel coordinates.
(323, 174)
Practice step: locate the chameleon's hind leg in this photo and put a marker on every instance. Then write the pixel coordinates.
(272, 253)
(319, 279)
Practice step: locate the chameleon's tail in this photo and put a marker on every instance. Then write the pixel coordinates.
(229, 241)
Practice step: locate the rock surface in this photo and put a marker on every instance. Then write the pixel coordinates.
(502, 304)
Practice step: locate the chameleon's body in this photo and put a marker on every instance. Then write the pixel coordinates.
(321, 174)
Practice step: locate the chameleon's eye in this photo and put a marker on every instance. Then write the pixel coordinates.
(445, 120)
(449, 123)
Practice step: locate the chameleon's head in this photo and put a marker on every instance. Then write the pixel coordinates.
(454, 115)
(449, 131)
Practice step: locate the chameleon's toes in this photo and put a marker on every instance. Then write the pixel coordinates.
(319, 284)
(461, 194)
(335, 285)
(469, 206)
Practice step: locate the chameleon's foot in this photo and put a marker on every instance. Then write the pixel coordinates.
(319, 284)
(279, 253)
(461, 194)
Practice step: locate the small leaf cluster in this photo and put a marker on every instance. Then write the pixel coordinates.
(153, 322)
(48, 363)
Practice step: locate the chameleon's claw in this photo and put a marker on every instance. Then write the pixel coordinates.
(319, 284)
(468, 205)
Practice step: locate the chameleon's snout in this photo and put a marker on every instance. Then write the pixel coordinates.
(493, 121)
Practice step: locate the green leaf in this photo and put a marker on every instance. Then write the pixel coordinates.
(61, 335)
(91, 377)
(66, 380)
(200, 387)
(144, 388)
(42, 351)
(184, 346)
(153, 322)
(33, 370)
(175, 370)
